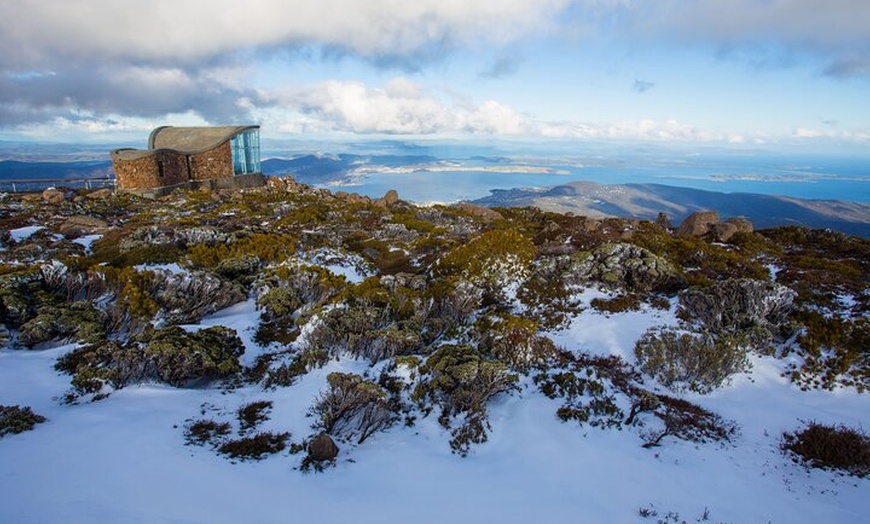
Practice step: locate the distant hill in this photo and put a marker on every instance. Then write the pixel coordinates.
(646, 201)
(17, 170)
(322, 169)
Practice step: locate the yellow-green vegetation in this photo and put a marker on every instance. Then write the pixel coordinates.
(702, 261)
(835, 350)
(132, 290)
(484, 257)
(267, 247)
(462, 381)
(514, 340)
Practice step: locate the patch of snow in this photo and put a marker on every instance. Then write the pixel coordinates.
(173, 268)
(601, 333)
(23, 233)
(123, 459)
(87, 241)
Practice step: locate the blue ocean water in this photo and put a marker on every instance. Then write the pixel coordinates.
(469, 171)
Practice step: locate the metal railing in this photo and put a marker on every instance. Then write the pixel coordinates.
(30, 185)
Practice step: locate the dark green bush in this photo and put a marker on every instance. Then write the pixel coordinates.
(15, 419)
(253, 414)
(202, 432)
(171, 355)
(830, 447)
(686, 360)
(461, 381)
(256, 447)
(181, 356)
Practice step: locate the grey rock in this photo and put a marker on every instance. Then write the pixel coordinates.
(626, 266)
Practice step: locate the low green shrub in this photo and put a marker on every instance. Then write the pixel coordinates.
(461, 381)
(686, 360)
(284, 375)
(204, 431)
(830, 447)
(181, 356)
(79, 321)
(619, 304)
(352, 408)
(15, 419)
(256, 447)
(252, 415)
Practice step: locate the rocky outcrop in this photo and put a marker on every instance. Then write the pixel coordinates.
(322, 448)
(743, 225)
(83, 225)
(283, 183)
(624, 266)
(353, 198)
(487, 214)
(390, 199)
(707, 224)
(698, 224)
(100, 194)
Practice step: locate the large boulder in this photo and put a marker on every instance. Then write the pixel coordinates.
(390, 199)
(487, 214)
(54, 196)
(83, 225)
(100, 194)
(698, 224)
(743, 225)
(322, 448)
(723, 231)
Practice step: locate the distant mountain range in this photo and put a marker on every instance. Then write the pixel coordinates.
(646, 201)
(18, 170)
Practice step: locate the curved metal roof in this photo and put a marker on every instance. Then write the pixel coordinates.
(193, 139)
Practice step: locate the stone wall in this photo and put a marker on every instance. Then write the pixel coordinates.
(212, 164)
(165, 167)
(149, 169)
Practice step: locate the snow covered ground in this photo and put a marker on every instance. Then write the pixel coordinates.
(123, 459)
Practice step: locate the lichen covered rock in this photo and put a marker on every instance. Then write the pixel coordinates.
(624, 266)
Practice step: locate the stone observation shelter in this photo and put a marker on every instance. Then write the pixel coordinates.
(191, 157)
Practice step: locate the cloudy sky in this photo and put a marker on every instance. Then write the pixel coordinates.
(713, 71)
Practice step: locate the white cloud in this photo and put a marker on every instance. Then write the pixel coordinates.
(404, 107)
(170, 31)
(834, 134)
(836, 31)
